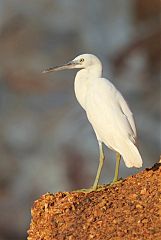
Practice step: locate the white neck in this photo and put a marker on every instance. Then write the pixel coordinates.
(83, 79)
(94, 71)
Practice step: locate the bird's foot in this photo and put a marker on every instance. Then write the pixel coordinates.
(116, 181)
(98, 187)
(85, 190)
(91, 189)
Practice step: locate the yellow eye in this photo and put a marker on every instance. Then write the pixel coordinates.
(81, 60)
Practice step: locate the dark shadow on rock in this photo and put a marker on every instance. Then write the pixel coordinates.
(155, 167)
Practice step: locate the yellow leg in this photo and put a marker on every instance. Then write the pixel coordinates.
(101, 160)
(118, 157)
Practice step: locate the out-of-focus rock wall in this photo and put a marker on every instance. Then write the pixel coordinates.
(46, 142)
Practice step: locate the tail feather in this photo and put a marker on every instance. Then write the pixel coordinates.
(131, 156)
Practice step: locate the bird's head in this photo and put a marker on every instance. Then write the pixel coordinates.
(81, 61)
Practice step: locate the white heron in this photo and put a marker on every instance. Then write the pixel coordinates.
(106, 110)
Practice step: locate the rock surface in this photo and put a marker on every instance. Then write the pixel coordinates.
(130, 209)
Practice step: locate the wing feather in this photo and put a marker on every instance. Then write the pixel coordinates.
(106, 101)
(127, 112)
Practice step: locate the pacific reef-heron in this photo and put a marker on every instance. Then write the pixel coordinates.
(106, 110)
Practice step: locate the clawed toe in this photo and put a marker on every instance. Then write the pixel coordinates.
(91, 189)
(116, 181)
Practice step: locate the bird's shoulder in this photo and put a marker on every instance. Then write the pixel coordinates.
(103, 92)
(106, 83)
(104, 88)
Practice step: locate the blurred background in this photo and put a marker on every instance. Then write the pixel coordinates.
(46, 142)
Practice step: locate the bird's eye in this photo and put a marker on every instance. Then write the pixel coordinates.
(82, 60)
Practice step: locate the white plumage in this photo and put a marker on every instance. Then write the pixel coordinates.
(106, 110)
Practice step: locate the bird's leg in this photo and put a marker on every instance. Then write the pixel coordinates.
(101, 160)
(118, 157)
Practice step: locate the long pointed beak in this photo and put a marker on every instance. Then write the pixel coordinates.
(68, 65)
